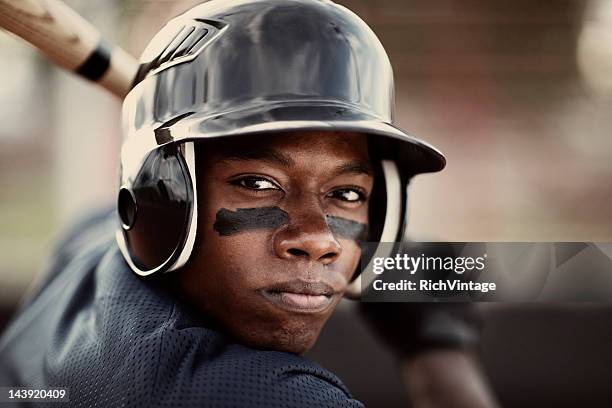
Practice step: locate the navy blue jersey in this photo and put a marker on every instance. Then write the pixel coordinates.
(114, 339)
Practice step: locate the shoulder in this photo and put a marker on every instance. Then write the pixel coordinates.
(87, 237)
(230, 374)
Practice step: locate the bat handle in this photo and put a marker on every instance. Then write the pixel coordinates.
(120, 74)
(70, 41)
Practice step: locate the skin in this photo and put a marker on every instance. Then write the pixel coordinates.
(245, 281)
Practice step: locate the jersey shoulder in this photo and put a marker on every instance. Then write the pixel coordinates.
(231, 375)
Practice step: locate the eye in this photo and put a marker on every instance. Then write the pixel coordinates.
(351, 195)
(255, 183)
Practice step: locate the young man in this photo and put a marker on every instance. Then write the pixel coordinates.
(258, 154)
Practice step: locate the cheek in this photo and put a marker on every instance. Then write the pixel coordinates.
(236, 261)
(229, 272)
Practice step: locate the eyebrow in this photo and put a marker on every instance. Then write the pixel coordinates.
(274, 156)
(353, 168)
(264, 154)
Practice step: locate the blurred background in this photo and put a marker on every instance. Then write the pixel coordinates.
(517, 93)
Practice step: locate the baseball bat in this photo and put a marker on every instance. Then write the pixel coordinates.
(70, 41)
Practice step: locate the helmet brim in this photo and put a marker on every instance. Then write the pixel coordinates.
(413, 155)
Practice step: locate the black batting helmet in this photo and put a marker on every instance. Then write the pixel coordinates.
(229, 68)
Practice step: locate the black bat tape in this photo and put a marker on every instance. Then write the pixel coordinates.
(230, 222)
(94, 67)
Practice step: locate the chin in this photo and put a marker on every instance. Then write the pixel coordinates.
(299, 343)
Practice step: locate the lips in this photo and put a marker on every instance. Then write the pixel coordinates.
(300, 296)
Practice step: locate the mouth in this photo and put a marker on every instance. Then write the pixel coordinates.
(300, 296)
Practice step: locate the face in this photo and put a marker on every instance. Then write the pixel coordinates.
(279, 221)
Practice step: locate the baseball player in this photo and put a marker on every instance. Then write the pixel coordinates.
(259, 152)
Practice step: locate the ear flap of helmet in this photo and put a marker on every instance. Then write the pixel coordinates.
(377, 210)
(392, 217)
(156, 211)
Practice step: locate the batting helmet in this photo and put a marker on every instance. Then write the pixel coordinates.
(229, 68)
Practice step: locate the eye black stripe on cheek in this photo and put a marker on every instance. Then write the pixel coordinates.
(347, 228)
(230, 222)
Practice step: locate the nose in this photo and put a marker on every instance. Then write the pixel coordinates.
(307, 236)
